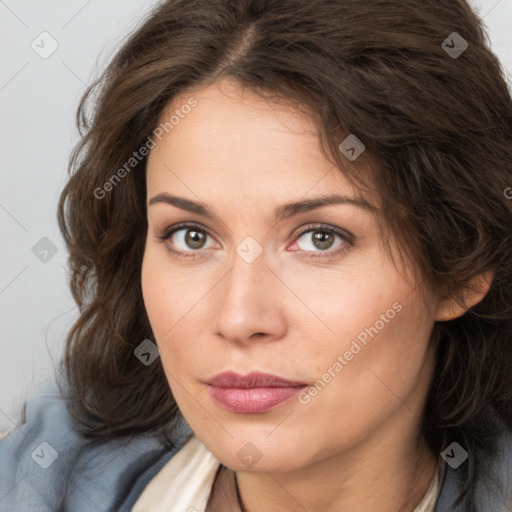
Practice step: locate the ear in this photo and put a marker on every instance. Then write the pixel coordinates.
(449, 309)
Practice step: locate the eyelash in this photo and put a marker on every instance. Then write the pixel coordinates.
(346, 237)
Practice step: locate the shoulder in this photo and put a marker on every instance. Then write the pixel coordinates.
(46, 464)
(494, 492)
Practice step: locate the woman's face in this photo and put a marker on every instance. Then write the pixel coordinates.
(308, 295)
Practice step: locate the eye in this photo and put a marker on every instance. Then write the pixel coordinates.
(186, 239)
(323, 240)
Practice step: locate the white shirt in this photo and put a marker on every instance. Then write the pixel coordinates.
(185, 482)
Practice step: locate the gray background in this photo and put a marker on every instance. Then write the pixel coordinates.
(38, 100)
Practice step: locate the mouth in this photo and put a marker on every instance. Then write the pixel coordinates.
(254, 393)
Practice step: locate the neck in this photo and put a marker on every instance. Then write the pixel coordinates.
(384, 477)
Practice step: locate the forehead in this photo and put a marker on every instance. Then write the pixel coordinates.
(228, 122)
(234, 143)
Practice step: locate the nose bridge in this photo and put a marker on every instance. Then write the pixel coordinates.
(247, 301)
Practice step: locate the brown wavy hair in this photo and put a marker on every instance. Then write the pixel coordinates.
(437, 130)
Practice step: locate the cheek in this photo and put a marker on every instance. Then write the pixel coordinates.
(388, 374)
(158, 293)
(381, 362)
(168, 294)
(172, 300)
(342, 305)
(376, 345)
(154, 288)
(160, 290)
(350, 294)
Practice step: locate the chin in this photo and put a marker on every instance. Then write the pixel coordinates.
(257, 453)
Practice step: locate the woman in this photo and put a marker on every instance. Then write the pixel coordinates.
(288, 226)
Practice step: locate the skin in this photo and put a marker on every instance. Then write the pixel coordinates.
(287, 313)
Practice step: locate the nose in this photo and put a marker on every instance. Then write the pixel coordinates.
(250, 303)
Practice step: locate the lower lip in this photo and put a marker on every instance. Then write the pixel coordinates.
(253, 400)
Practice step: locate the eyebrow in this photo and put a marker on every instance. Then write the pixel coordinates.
(280, 213)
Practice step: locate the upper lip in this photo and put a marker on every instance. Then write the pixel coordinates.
(251, 380)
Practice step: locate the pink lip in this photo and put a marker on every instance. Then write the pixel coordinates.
(253, 393)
